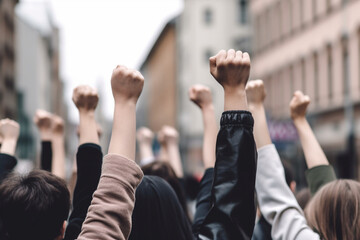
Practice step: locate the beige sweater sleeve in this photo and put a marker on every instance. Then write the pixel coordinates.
(109, 215)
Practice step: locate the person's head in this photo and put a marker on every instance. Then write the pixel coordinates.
(166, 172)
(289, 176)
(303, 197)
(33, 206)
(334, 211)
(157, 213)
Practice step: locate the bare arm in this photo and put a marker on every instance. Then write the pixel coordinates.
(314, 155)
(256, 94)
(58, 164)
(201, 96)
(10, 131)
(170, 140)
(145, 137)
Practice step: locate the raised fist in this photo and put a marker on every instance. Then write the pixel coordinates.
(9, 129)
(126, 84)
(144, 135)
(231, 69)
(85, 98)
(168, 135)
(298, 105)
(58, 125)
(255, 92)
(43, 120)
(200, 95)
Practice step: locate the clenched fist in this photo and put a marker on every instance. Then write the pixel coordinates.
(144, 135)
(85, 98)
(43, 120)
(200, 95)
(255, 92)
(9, 129)
(231, 69)
(58, 125)
(298, 105)
(168, 135)
(126, 84)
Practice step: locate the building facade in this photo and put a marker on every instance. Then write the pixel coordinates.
(8, 95)
(313, 46)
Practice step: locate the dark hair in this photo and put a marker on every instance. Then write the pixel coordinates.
(157, 213)
(303, 197)
(166, 172)
(33, 206)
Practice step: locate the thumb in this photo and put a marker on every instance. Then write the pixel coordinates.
(212, 61)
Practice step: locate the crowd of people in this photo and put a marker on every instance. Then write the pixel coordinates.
(244, 192)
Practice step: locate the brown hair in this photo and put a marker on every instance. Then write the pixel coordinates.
(334, 211)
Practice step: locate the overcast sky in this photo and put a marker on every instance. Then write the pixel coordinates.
(96, 35)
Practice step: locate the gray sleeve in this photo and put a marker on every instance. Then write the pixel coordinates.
(277, 203)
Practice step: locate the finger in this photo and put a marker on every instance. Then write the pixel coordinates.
(239, 55)
(246, 58)
(231, 54)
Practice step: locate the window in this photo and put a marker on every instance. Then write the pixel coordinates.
(314, 9)
(328, 6)
(303, 75)
(345, 60)
(208, 16)
(208, 54)
(329, 71)
(291, 79)
(243, 11)
(316, 77)
(301, 7)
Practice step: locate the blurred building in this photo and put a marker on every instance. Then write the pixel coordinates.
(37, 71)
(313, 46)
(180, 58)
(8, 103)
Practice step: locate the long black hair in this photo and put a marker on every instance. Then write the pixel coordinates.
(157, 213)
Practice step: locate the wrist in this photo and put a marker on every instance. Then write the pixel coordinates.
(46, 135)
(87, 112)
(235, 100)
(299, 120)
(208, 107)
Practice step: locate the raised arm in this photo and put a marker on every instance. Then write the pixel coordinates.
(88, 158)
(170, 139)
(319, 172)
(9, 130)
(58, 147)
(201, 96)
(232, 215)
(109, 216)
(145, 138)
(43, 121)
(276, 201)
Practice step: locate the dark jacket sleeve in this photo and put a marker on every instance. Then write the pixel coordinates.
(7, 164)
(203, 199)
(46, 156)
(89, 162)
(318, 176)
(232, 212)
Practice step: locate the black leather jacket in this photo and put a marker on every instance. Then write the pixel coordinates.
(225, 204)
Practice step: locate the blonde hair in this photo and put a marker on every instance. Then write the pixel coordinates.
(334, 211)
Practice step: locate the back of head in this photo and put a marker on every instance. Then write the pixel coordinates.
(157, 213)
(33, 206)
(334, 211)
(166, 172)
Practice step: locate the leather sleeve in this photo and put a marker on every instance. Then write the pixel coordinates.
(232, 212)
(46, 155)
(7, 164)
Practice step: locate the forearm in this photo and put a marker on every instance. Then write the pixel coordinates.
(88, 128)
(235, 99)
(313, 152)
(146, 151)
(124, 127)
(210, 133)
(261, 132)
(175, 159)
(9, 146)
(58, 164)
